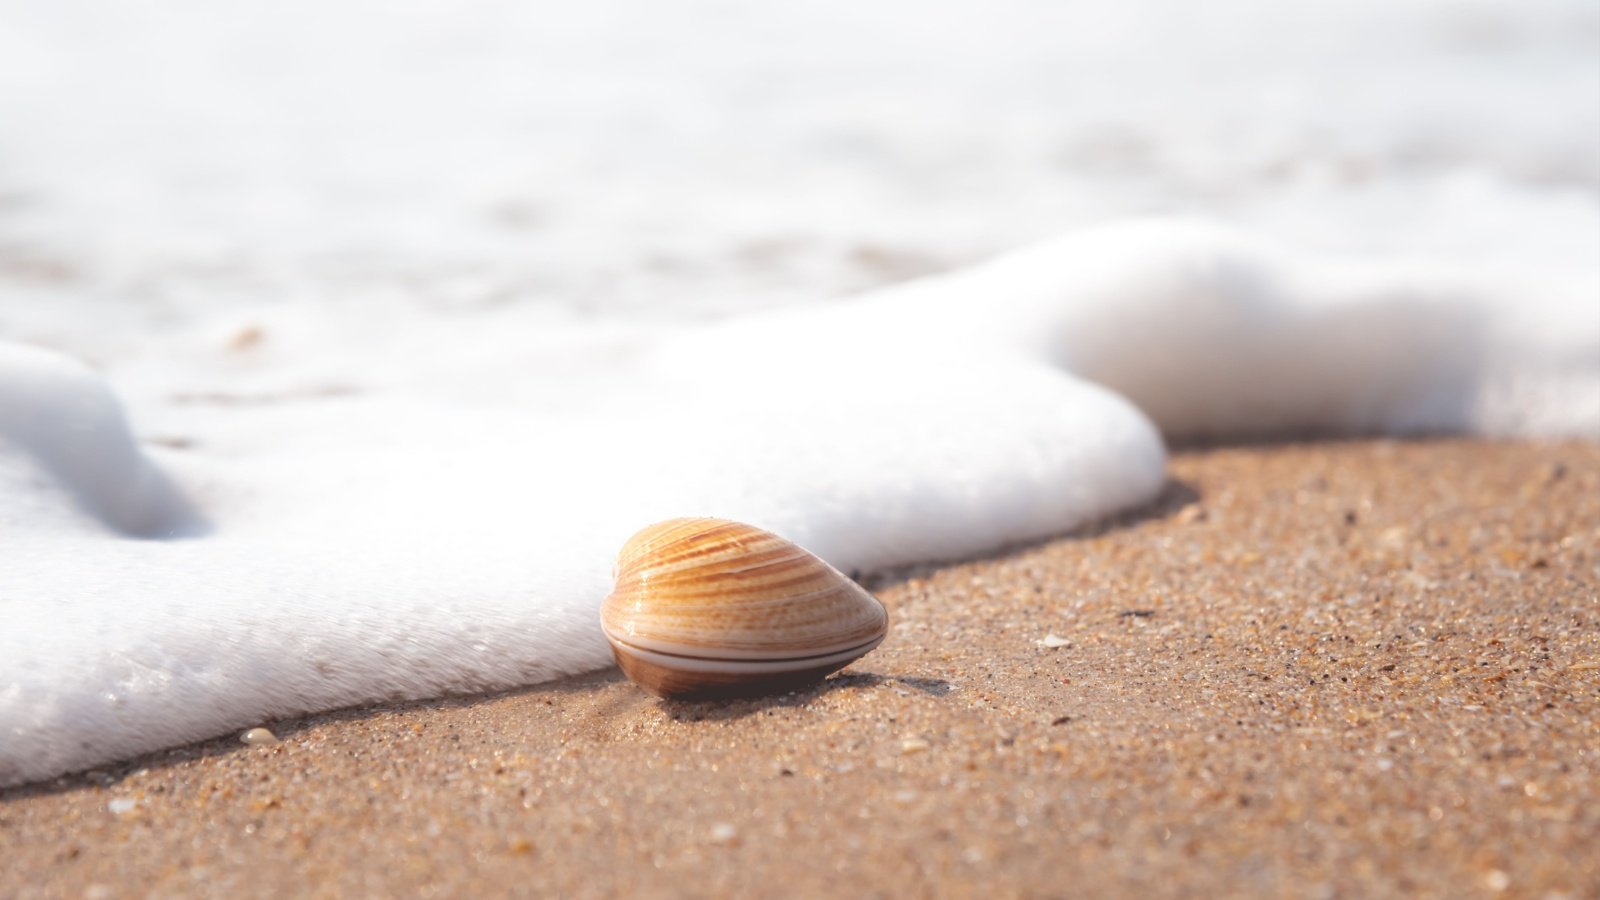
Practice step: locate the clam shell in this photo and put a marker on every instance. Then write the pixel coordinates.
(709, 608)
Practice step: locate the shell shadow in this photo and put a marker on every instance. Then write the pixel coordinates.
(739, 708)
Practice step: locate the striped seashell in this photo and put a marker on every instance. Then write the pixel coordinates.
(710, 608)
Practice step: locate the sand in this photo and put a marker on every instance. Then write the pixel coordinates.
(1327, 669)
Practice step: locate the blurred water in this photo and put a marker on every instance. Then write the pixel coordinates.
(670, 160)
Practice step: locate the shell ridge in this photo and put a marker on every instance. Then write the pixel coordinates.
(697, 556)
(820, 654)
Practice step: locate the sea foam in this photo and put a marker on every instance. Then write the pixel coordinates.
(409, 535)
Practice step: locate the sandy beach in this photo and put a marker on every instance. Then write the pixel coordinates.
(1361, 668)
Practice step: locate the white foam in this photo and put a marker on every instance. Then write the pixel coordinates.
(390, 348)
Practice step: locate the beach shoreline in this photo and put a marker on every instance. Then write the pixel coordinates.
(1338, 668)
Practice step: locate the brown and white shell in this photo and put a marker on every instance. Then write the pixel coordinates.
(711, 608)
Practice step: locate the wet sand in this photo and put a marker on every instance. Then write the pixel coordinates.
(1328, 669)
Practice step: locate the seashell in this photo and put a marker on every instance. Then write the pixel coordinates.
(710, 608)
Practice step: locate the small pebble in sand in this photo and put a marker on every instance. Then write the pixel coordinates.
(913, 745)
(246, 337)
(1395, 537)
(1053, 642)
(723, 833)
(258, 737)
(122, 805)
